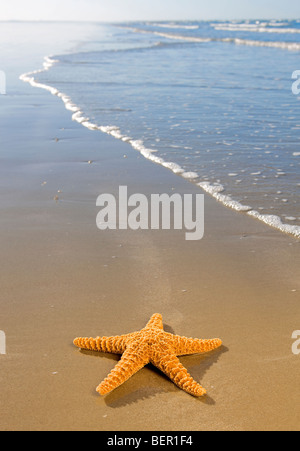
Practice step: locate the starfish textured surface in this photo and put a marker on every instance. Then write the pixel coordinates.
(150, 345)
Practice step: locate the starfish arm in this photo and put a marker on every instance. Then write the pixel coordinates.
(188, 346)
(113, 345)
(169, 364)
(155, 321)
(133, 360)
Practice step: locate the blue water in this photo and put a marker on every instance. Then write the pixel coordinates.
(211, 101)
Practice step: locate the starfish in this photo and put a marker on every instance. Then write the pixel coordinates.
(149, 345)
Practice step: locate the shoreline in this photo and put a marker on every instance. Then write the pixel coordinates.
(214, 190)
(63, 278)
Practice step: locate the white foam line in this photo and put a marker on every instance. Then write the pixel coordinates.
(48, 63)
(180, 37)
(258, 29)
(215, 190)
(175, 26)
(29, 77)
(190, 175)
(275, 221)
(291, 46)
(271, 220)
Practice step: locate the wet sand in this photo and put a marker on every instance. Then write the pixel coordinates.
(61, 278)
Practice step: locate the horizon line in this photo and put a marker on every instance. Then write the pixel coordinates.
(145, 20)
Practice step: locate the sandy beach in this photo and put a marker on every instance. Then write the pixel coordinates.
(62, 278)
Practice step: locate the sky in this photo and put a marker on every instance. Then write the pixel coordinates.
(126, 10)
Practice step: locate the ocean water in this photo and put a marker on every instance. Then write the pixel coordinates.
(211, 101)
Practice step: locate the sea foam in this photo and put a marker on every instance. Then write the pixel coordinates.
(276, 222)
(217, 190)
(175, 26)
(291, 46)
(254, 28)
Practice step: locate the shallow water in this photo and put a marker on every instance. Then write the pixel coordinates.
(211, 101)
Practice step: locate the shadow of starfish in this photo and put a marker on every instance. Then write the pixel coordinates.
(198, 366)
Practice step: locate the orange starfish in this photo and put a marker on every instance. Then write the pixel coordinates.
(150, 345)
